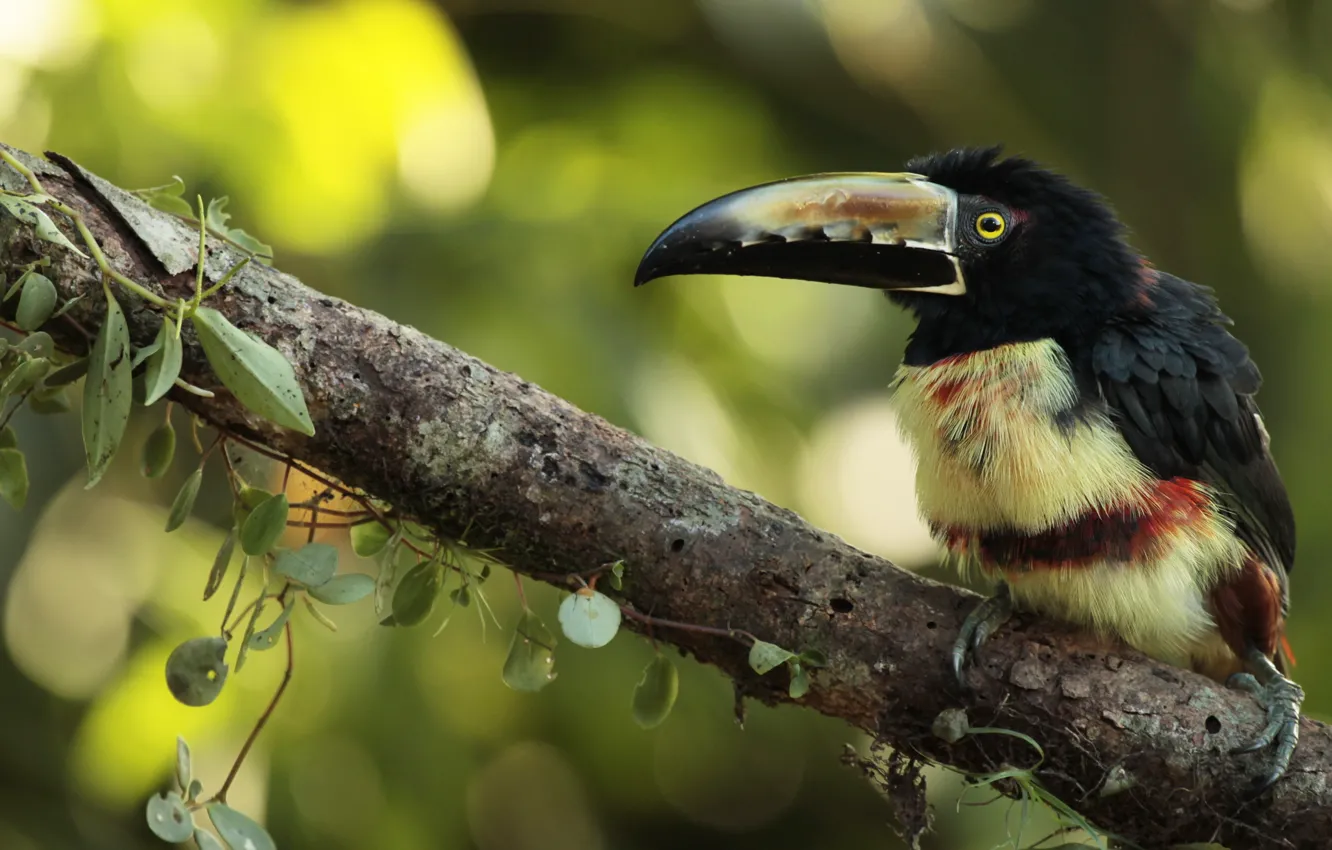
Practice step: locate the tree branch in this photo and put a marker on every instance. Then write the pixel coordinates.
(464, 446)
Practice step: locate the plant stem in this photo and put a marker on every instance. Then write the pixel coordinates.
(88, 239)
(221, 795)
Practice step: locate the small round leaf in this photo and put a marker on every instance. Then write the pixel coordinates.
(184, 501)
(158, 451)
(655, 695)
(247, 500)
(37, 344)
(415, 596)
(8, 437)
(196, 671)
(589, 618)
(764, 656)
(238, 830)
(368, 539)
(264, 526)
(169, 819)
(531, 661)
(311, 565)
(344, 589)
(37, 302)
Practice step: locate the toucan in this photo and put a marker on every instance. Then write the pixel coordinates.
(1083, 423)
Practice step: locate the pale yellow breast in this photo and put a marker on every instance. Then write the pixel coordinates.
(990, 453)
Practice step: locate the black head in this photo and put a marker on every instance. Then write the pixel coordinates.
(984, 250)
(1059, 268)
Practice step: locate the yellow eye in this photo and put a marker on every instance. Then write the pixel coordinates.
(990, 226)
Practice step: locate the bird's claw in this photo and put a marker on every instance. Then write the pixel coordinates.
(1282, 698)
(982, 622)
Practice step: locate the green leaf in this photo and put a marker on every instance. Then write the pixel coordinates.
(311, 565)
(25, 377)
(196, 788)
(167, 198)
(617, 575)
(183, 504)
(589, 618)
(268, 638)
(368, 539)
(656, 691)
(40, 221)
(531, 661)
(68, 305)
(264, 526)
(415, 597)
(13, 478)
(764, 656)
(202, 837)
(238, 830)
(184, 767)
(217, 222)
(37, 344)
(257, 373)
(8, 437)
(163, 365)
(196, 671)
(799, 681)
(813, 658)
(221, 561)
(344, 589)
(169, 819)
(158, 451)
(108, 392)
(68, 374)
(37, 302)
(246, 501)
(142, 354)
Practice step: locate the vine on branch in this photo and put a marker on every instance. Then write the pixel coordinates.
(415, 569)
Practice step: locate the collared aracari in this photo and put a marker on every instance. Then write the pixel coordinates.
(1084, 424)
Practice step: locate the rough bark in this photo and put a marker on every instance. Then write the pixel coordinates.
(461, 444)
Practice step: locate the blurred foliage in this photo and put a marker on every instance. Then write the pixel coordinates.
(490, 171)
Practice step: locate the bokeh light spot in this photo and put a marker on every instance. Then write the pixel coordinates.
(858, 479)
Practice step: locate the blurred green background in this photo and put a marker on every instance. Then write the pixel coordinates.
(490, 171)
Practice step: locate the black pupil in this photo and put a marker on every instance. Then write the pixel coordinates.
(990, 223)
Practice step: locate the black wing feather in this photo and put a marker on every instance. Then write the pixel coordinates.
(1181, 389)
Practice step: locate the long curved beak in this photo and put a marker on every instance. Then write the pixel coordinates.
(883, 231)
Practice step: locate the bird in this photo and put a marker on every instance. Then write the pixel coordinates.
(1084, 424)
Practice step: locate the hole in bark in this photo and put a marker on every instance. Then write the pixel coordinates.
(931, 625)
(842, 606)
(677, 544)
(272, 299)
(1213, 725)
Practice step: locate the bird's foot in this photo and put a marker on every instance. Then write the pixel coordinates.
(1282, 698)
(982, 622)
